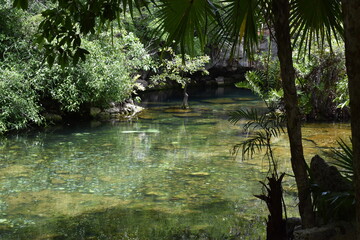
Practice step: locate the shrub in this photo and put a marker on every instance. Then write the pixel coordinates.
(18, 102)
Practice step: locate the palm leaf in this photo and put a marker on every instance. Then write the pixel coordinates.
(315, 19)
(240, 22)
(344, 158)
(261, 126)
(184, 20)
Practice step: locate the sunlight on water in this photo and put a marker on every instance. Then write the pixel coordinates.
(168, 173)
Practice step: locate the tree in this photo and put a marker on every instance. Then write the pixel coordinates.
(281, 11)
(351, 10)
(177, 68)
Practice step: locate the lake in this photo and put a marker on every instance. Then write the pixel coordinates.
(167, 174)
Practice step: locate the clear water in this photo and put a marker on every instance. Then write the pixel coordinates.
(167, 175)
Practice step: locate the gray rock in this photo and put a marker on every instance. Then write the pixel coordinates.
(328, 177)
(220, 80)
(51, 117)
(334, 231)
(94, 111)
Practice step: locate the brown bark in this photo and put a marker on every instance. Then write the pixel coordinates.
(281, 10)
(351, 10)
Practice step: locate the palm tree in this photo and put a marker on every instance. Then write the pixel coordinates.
(351, 11)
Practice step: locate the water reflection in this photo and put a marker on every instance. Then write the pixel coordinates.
(169, 172)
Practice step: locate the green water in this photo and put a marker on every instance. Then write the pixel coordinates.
(167, 175)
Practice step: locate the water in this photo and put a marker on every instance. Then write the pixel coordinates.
(167, 175)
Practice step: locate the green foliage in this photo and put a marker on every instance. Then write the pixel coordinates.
(62, 25)
(262, 127)
(321, 82)
(26, 82)
(178, 68)
(318, 83)
(108, 74)
(18, 101)
(342, 93)
(265, 81)
(344, 159)
(316, 20)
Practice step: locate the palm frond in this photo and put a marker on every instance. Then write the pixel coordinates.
(250, 146)
(315, 20)
(240, 21)
(183, 21)
(262, 127)
(344, 158)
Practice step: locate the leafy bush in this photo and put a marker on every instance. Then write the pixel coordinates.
(18, 102)
(178, 68)
(29, 87)
(109, 74)
(321, 83)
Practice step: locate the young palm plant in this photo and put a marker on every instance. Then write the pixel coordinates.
(262, 127)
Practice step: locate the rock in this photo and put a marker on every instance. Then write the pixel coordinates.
(51, 117)
(219, 101)
(104, 116)
(334, 231)
(113, 110)
(186, 115)
(291, 225)
(122, 110)
(328, 177)
(141, 84)
(199, 174)
(177, 110)
(220, 80)
(94, 111)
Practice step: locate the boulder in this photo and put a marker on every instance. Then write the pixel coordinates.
(334, 231)
(328, 177)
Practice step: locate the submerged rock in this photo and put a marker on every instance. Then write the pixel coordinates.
(177, 110)
(199, 174)
(219, 101)
(185, 115)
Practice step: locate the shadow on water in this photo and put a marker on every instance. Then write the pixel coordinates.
(134, 223)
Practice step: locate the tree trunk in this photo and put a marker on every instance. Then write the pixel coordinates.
(185, 104)
(351, 11)
(281, 10)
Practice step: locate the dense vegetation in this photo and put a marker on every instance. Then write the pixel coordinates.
(30, 88)
(33, 88)
(321, 83)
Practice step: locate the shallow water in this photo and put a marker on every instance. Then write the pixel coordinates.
(167, 175)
